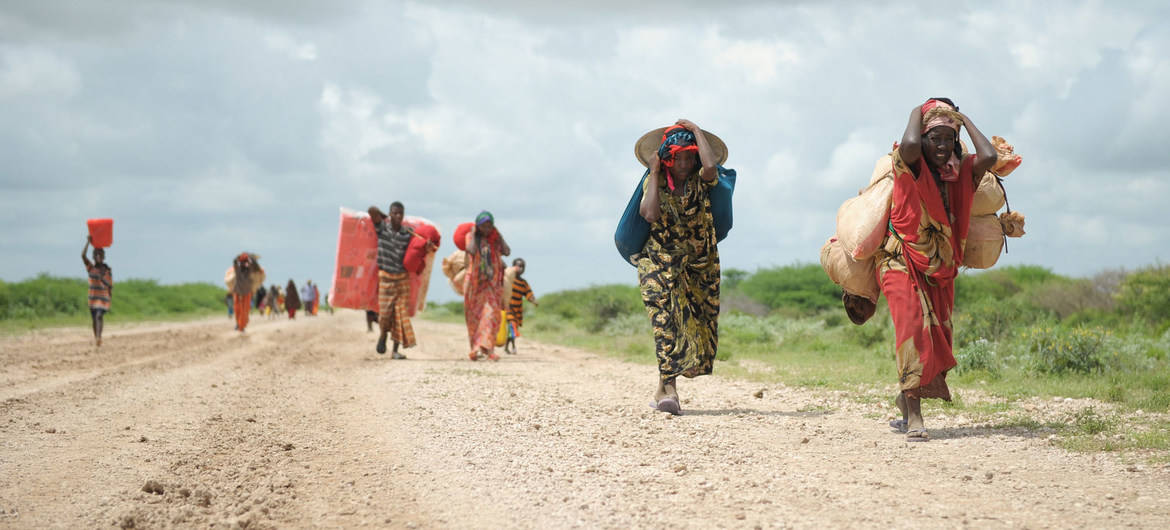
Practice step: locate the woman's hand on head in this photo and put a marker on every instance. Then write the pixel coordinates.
(688, 125)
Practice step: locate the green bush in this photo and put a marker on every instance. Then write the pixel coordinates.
(1000, 283)
(993, 320)
(1145, 294)
(47, 297)
(593, 307)
(802, 289)
(977, 355)
(1057, 351)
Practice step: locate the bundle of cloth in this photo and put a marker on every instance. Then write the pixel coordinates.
(455, 269)
(256, 277)
(863, 225)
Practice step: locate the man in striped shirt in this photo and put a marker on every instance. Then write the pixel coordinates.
(520, 291)
(393, 282)
(101, 287)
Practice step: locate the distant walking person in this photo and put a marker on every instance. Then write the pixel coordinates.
(308, 297)
(101, 287)
(272, 302)
(393, 281)
(247, 275)
(520, 292)
(258, 300)
(484, 285)
(292, 302)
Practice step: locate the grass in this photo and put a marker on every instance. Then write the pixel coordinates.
(46, 301)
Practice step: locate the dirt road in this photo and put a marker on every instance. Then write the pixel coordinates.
(300, 424)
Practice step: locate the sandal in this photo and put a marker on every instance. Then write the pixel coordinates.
(917, 435)
(493, 356)
(473, 356)
(898, 425)
(668, 405)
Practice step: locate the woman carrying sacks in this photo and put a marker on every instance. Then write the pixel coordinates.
(484, 286)
(916, 267)
(678, 269)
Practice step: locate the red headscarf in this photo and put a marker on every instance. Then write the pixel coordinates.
(675, 139)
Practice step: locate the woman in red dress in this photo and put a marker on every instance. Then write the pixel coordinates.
(916, 267)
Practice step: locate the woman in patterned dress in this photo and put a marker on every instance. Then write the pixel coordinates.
(678, 269)
(930, 213)
(484, 285)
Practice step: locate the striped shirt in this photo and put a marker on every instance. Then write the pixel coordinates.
(391, 247)
(101, 281)
(520, 291)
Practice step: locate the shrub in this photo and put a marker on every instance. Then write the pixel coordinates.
(1065, 298)
(732, 278)
(992, 320)
(1145, 294)
(1000, 283)
(746, 329)
(801, 288)
(977, 355)
(593, 307)
(1056, 351)
(50, 297)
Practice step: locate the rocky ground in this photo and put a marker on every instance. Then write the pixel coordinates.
(300, 424)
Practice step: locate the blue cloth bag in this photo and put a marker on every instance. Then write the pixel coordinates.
(633, 230)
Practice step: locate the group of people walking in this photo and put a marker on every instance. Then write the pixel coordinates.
(247, 293)
(272, 300)
(678, 264)
(483, 296)
(934, 183)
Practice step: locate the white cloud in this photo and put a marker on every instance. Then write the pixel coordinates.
(31, 72)
(265, 124)
(302, 51)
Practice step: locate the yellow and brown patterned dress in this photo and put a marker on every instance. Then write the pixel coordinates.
(678, 270)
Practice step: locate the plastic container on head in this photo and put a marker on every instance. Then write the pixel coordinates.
(101, 231)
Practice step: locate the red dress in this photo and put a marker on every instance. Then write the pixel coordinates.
(917, 267)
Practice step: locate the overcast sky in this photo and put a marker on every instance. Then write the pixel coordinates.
(209, 127)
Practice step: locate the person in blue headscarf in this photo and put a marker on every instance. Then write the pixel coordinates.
(678, 269)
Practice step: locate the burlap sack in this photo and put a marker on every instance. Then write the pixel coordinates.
(453, 267)
(989, 197)
(861, 221)
(984, 242)
(854, 277)
(456, 282)
(509, 279)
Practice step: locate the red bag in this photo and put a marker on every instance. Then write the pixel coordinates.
(416, 251)
(355, 275)
(461, 235)
(418, 261)
(101, 231)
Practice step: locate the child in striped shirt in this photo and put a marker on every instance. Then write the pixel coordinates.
(101, 286)
(520, 291)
